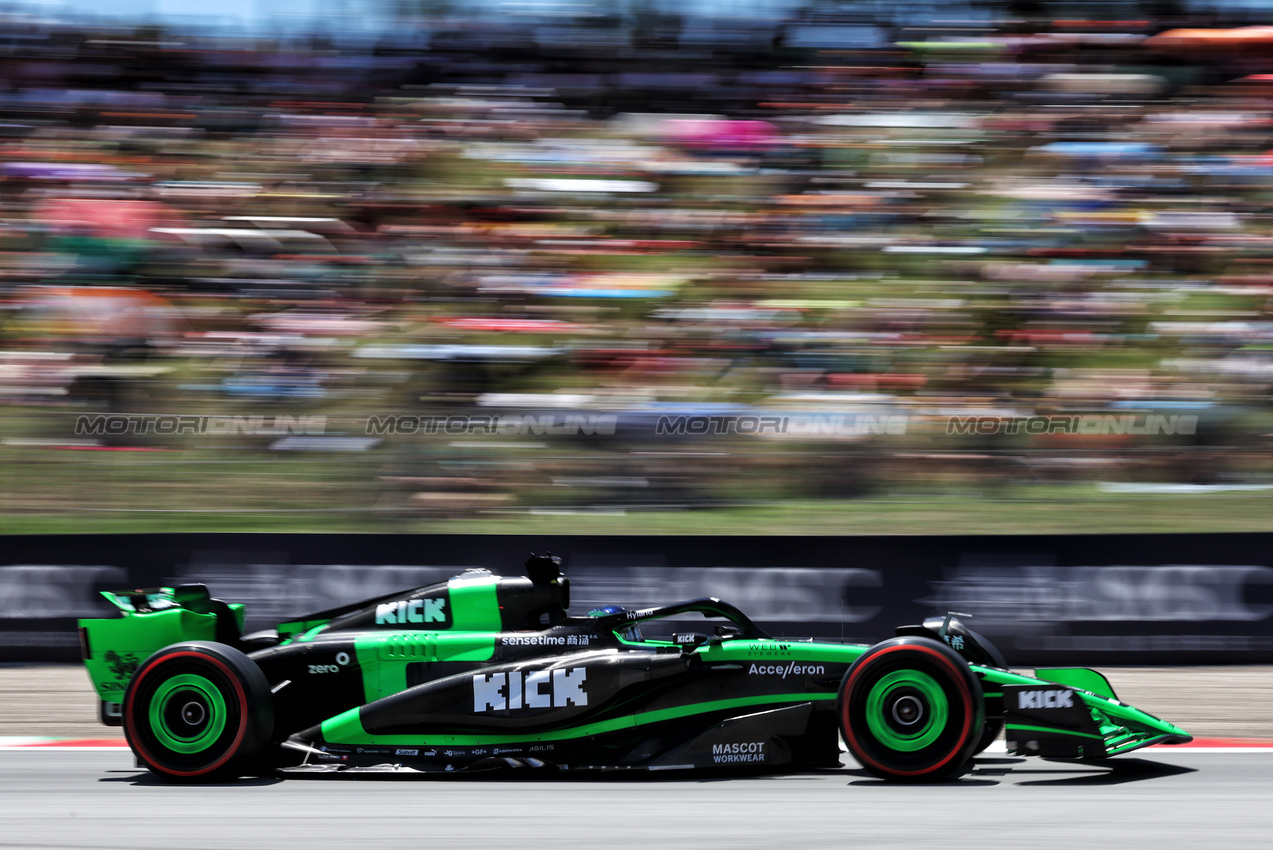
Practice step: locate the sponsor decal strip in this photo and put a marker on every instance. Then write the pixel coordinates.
(338, 730)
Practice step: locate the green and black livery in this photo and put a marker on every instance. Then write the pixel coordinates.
(485, 672)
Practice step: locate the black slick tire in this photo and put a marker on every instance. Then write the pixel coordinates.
(198, 712)
(911, 710)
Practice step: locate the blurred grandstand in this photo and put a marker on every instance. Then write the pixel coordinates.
(632, 261)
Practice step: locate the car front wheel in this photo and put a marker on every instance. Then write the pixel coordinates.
(911, 710)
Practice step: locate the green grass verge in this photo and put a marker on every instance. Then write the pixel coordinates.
(1072, 509)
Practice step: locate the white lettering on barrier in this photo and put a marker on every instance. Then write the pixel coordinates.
(31, 590)
(1010, 596)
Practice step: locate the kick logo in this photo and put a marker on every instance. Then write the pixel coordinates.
(530, 689)
(411, 611)
(1045, 699)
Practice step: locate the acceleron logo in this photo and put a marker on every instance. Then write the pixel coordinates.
(785, 670)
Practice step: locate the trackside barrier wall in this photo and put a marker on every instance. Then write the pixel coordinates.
(1044, 600)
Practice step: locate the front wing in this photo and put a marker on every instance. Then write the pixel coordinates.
(1072, 713)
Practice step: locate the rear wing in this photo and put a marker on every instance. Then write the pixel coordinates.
(148, 620)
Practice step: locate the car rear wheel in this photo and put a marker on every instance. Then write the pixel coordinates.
(911, 710)
(198, 712)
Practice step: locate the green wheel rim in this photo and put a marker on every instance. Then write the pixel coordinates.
(900, 692)
(187, 714)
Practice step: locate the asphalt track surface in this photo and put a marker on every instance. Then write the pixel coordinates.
(1163, 798)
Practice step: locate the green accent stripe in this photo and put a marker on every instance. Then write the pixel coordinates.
(1052, 731)
(347, 728)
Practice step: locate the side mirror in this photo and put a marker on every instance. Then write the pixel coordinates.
(724, 633)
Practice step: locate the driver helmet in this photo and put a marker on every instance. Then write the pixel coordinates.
(631, 633)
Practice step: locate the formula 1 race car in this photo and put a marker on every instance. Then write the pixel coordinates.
(486, 672)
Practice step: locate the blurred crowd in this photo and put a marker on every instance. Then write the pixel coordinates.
(641, 229)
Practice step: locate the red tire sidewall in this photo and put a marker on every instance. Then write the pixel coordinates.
(870, 661)
(240, 695)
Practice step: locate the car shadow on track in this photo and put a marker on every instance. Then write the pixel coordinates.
(869, 780)
(1114, 772)
(1020, 771)
(146, 778)
(978, 773)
